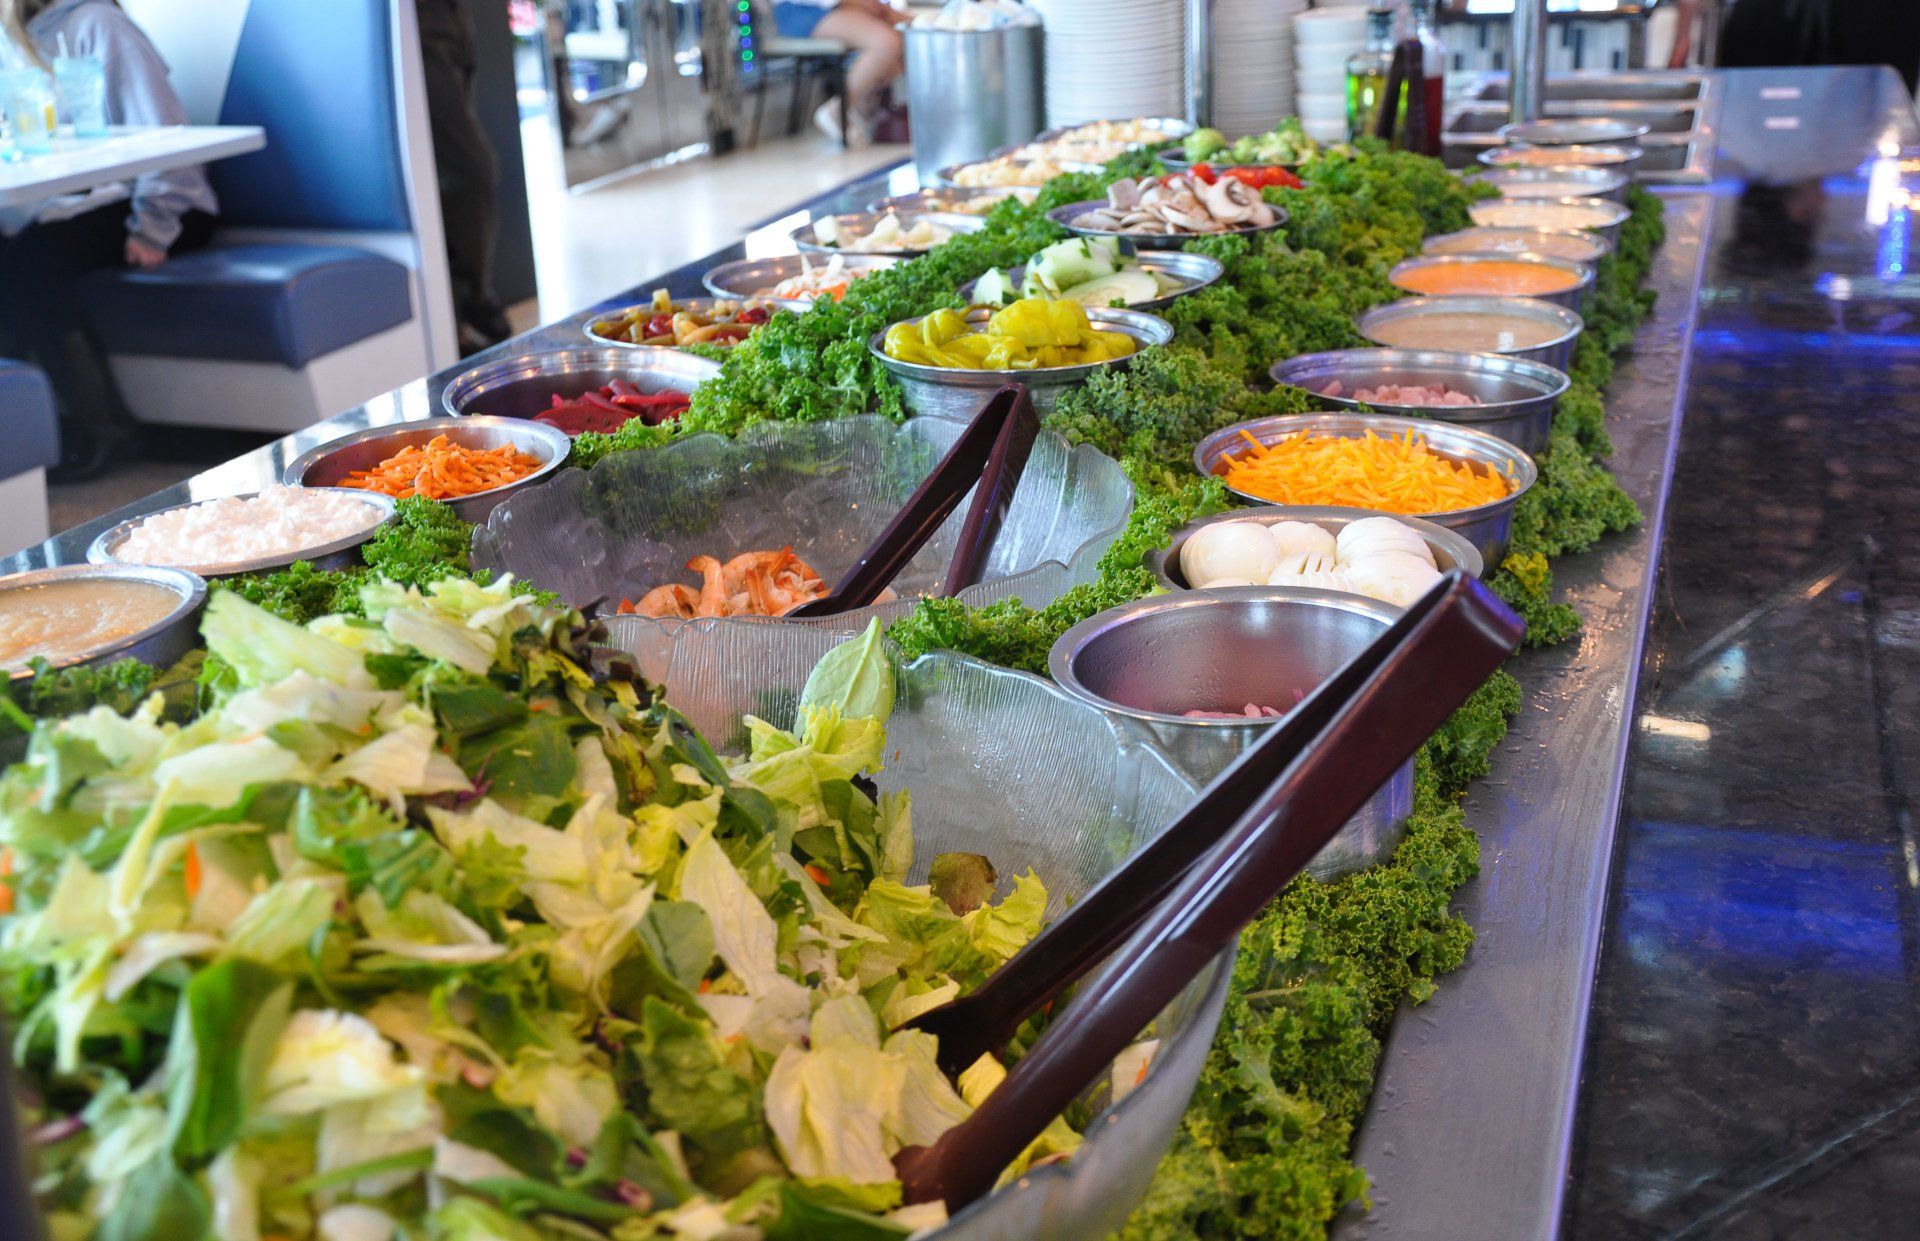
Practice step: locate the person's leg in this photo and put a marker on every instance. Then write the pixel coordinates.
(469, 175)
(879, 55)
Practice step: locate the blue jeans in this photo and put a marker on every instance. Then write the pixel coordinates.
(796, 21)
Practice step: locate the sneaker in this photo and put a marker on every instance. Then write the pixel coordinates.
(826, 119)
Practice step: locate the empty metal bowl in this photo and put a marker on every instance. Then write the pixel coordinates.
(524, 386)
(954, 392)
(1517, 397)
(1450, 551)
(1488, 527)
(861, 223)
(1576, 245)
(1573, 131)
(1194, 272)
(328, 464)
(1623, 157)
(159, 644)
(1473, 325)
(1599, 215)
(1551, 183)
(1147, 662)
(334, 554)
(1065, 217)
(1577, 277)
(745, 279)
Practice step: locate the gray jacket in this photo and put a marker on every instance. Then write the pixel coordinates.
(138, 93)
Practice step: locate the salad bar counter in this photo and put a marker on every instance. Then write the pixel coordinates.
(504, 946)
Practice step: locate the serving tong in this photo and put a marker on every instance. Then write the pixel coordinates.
(1183, 898)
(989, 458)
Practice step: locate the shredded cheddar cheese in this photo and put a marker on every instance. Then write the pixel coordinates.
(1397, 474)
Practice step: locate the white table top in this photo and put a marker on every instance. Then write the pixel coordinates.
(78, 164)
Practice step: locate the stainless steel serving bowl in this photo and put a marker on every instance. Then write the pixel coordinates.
(1194, 272)
(1579, 182)
(861, 223)
(950, 175)
(1165, 127)
(1556, 350)
(1489, 527)
(744, 279)
(1577, 245)
(1573, 297)
(1175, 157)
(953, 392)
(1065, 217)
(1145, 663)
(1606, 216)
(1517, 397)
(1573, 131)
(1622, 157)
(524, 386)
(691, 305)
(336, 554)
(159, 644)
(1450, 551)
(329, 463)
(945, 198)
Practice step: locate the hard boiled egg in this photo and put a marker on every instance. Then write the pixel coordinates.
(1241, 549)
(1371, 536)
(1335, 580)
(1396, 578)
(1303, 538)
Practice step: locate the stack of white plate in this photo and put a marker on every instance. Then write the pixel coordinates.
(1111, 59)
(1253, 63)
(1323, 41)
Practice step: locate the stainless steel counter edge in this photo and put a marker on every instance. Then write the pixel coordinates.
(1470, 1126)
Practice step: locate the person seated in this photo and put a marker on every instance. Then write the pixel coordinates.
(871, 28)
(47, 247)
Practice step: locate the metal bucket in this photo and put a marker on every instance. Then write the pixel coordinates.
(971, 93)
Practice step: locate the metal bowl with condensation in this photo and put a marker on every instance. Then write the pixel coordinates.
(1450, 551)
(1489, 526)
(1575, 279)
(159, 644)
(329, 464)
(754, 279)
(1182, 273)
(1148, 662)
(956, 392)
(524, 385)
(1475, 325)
(1515, 399)
(337, 553)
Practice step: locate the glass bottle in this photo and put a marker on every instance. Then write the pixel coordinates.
(1433, 65)
(1367, 72)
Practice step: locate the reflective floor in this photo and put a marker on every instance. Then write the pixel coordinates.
(1754, 1064)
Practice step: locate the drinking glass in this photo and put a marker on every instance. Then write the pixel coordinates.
(81, 83)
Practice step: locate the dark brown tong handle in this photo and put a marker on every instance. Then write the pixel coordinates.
(1463, 635)
(1099, 922)
(994, 497)
(967, 463)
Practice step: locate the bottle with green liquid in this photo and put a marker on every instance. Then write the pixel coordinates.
(1367, 75)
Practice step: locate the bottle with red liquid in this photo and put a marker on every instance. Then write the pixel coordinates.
(1433, 67)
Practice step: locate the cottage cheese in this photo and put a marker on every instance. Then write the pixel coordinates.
(280, 521)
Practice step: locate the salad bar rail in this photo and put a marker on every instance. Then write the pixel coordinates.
(1471, 1120)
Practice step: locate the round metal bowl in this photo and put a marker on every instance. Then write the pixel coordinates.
(329, 463)
(952, 392)
(1065, 217)
(692, 305)
(1488, 527)
(860, 223)
(337, 554)
(1176, 158)
(1572, 131)
(1552, 183)
(1556, 350)
(1624, 157)
(1573, 297)
(159, 644)
(950, 175)
(1597, 215)
(949, 199)
(1575, 245)
(1162, 127)
(1145, 663)
(747, 279)
(1194, 271)
(524, 386)
(1518, 398)
(1450, 551)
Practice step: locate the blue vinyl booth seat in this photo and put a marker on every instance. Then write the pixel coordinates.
(288, 304)
(29, 443)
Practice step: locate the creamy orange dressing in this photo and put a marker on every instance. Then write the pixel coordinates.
(65, 620)
(1487, 278)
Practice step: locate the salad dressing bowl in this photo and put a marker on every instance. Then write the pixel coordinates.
(826, 489)
(1006, 765)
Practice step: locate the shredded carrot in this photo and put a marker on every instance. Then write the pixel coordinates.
(1391, 474)
(6, 889)
(193, 870)
(444, 470)
(818, 875)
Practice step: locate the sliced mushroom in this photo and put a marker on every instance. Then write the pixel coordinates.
(1221, 202)
(1197, 222)
(1123, 193)
(1263, 215)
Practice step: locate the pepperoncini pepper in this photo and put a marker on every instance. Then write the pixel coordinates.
(1032, 333)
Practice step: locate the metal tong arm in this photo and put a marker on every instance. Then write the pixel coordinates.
(972, 460)
(1099, 922)
(1423, 673)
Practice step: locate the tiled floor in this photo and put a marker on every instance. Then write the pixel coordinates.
(587, 246)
